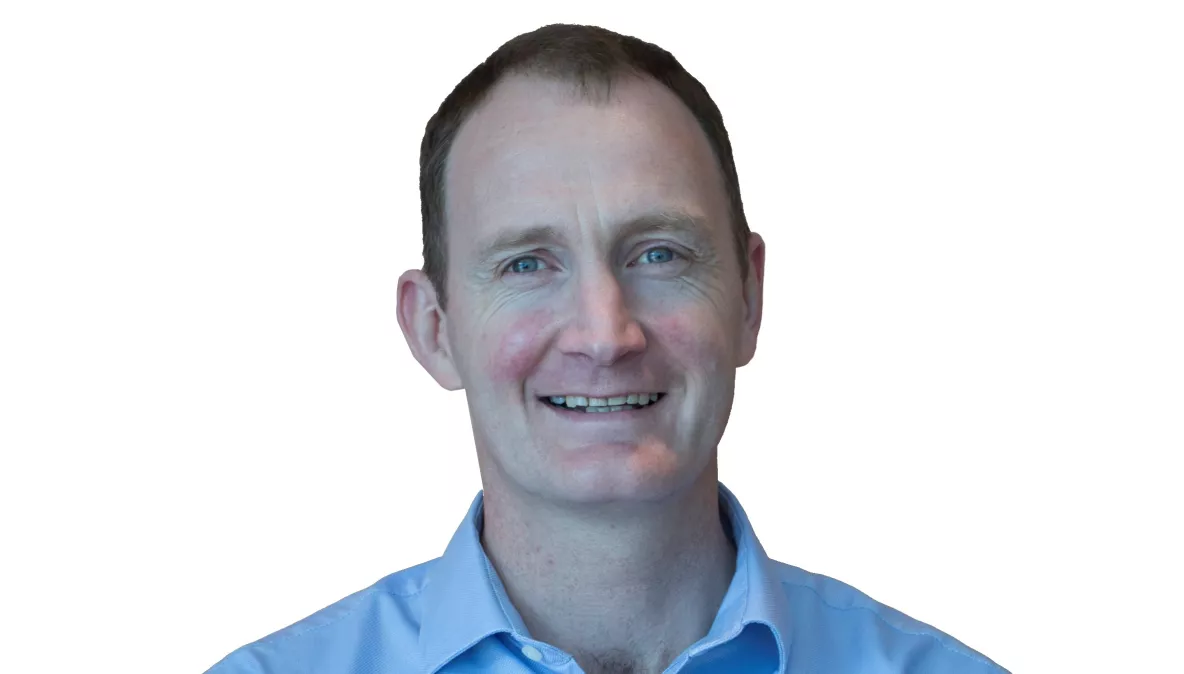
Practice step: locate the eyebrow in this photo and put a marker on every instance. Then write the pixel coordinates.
(518, 239)
(665, 221)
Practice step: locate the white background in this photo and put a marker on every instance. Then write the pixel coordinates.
(966, 402)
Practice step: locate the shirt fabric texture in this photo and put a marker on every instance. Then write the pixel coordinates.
(451, 615)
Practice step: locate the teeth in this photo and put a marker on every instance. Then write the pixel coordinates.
(613, 404)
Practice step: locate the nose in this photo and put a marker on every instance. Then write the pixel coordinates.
(602, 327)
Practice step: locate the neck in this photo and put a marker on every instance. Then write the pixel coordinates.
(637, 582)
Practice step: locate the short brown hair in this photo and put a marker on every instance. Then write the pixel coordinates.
(590, 57)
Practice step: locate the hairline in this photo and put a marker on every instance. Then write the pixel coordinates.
(590, 59)
(594, 90)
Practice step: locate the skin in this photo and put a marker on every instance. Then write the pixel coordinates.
(604, 528)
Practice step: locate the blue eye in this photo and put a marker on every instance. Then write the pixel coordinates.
(525, 265)
(656, 255)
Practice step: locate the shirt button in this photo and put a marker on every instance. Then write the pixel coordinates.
(532, 653)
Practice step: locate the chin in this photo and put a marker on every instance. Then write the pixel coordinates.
(597, 471)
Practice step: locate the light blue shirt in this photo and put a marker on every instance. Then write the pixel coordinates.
(451, 615)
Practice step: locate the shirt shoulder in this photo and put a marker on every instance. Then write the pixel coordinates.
(836, 627)
(374, 629)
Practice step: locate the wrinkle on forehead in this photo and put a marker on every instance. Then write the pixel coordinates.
(530, 156)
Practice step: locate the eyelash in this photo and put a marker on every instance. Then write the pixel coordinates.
(674, 255)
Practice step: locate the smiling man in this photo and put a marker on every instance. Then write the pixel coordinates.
(591, 283)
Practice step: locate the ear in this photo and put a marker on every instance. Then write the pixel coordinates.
(425, 328)
(754, 291)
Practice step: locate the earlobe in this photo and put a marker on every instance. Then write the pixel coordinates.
(424, 327)
(754, 288)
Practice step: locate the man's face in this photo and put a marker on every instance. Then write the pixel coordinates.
(591, 267)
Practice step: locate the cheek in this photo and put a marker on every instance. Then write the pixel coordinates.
(692, 338)
(516, 345)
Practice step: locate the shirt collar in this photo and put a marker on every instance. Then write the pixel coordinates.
(464, 601)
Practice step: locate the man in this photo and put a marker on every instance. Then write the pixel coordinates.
(591, 282)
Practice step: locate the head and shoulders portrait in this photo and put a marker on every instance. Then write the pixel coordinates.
(592, 284)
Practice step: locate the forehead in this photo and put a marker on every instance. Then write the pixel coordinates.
(537, 153)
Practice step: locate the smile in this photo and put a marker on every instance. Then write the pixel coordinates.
(591, 405)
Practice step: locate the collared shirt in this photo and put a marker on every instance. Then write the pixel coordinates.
(452, 615)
